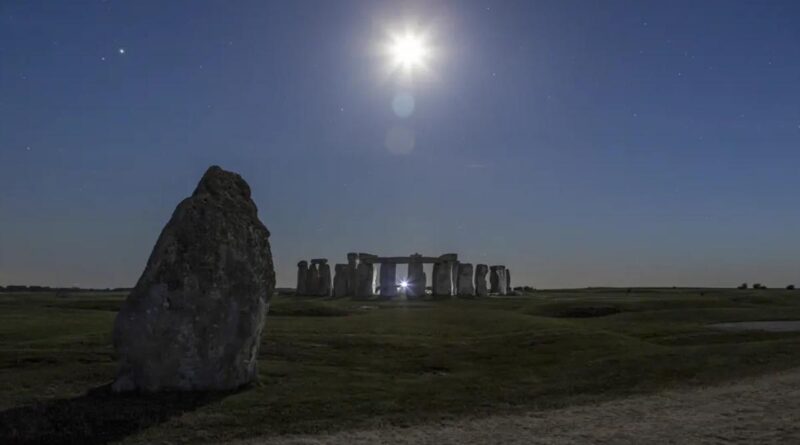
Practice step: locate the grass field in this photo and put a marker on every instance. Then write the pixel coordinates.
(328, 364)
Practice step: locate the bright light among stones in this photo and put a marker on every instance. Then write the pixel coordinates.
(404, 284)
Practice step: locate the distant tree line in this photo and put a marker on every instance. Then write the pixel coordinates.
(761, 286)
(28, 288)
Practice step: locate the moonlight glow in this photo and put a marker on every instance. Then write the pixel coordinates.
(409, 52)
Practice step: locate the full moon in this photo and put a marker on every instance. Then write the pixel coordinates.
(409, 52)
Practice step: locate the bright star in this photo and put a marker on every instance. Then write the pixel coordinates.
(121, 50)
(404, 284)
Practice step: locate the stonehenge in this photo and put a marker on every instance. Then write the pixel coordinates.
(442, 279)
(324, 288)
(497, 279)
(415, 282)
(341, 280)
(357, 278)
(464, 287)
(388, 282)
(302, 277)
(480, 280)
(312, 280)
(365, 280)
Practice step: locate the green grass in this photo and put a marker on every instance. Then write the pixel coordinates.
(337, 364)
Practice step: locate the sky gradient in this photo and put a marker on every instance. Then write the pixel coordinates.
(579, 143)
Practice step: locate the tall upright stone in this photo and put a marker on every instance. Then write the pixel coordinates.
(388, 280)
(480, 280)
(454, 277)
(302, 278)
(498, 279)
(341, 279)
(509, 289)
(416, 278)
(324, 289)
(464, 280)
(365, 286)
(312, 282)
(442, 281)
(352, 266)
(195, 317)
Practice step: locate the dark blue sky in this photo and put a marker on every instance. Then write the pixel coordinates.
(577, 142)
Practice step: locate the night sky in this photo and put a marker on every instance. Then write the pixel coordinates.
(580, 143)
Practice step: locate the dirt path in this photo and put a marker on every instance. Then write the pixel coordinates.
(765, 410)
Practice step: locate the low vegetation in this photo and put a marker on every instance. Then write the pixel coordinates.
(331, 364)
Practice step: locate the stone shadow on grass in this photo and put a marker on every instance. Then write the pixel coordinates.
(97, 417)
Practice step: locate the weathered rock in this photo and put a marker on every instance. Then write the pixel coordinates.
(302, 277)
(442, 281)
(388, 281)
(454, 277)
(365, 287)
(498, 279)
(194, 319)
(341, 279)
(416, 278)
(324, 287)
(509, 289)
(465, 287)
(312, 283)
(352, 265)
(480, 280)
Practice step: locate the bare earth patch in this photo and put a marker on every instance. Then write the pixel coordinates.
(762, 410)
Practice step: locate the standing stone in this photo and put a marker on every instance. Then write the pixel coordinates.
(352, 281)
(312, 284)
(509, 289)
(388, 281)
(465, 288)
(416, 278)
(341, 278)
(498, 279)
(365, 287)
(302, 278)
(324, 289)
(480, 280)
(442, 282)
(454, 278)
(194, 319)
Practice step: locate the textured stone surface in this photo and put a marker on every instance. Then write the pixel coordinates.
(442, 281)
(464, 280)
(497, 279)
(365, 286)
(388, 281)
(480, 280)
(324, 287)
(341, 279)
(416, 279)
(312, 284)
(302, 277)
(352, 266)
(194, 319)
(454, 277)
